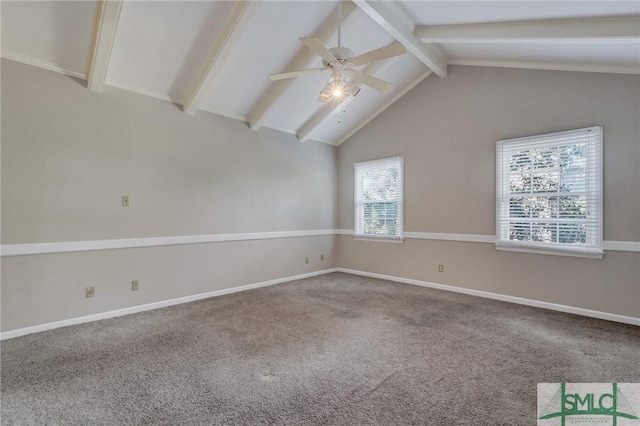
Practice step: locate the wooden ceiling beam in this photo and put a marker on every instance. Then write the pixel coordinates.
(390, 17)
(553, 66)
(219, 53)
(104, 34)
(600, 30)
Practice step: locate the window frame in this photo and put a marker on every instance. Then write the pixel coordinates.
(593, 177)
(358, 205)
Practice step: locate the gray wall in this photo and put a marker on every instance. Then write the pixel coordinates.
(68, 155)
(447, 129)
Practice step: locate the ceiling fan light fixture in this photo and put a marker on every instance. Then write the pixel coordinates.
(338, 90)
(342, 62)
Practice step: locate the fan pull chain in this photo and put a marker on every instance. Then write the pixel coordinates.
(344, 109)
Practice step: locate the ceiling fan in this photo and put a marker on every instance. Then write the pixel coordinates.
(342, 61)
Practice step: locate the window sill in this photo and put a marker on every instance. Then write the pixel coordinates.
(552, 251)
(378, 238)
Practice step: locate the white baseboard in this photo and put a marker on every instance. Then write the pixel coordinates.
(502, 297)
(155, 305)
(162, 304)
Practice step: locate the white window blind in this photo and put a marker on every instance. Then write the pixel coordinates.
(549, 193)
(378, 198)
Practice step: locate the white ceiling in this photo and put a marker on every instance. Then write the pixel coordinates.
(159, 49)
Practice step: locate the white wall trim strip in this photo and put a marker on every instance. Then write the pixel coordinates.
(469, 238)
(491, 239)
(502, 297)
(134, 89)
(155, 305)
(621, 246)
(39, 63)
(73, 246)
(28, 60)
(140, 91)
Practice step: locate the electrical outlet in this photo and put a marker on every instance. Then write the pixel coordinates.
(322, 258)
(440, 268)
(134, 285)
(306, 260)
(89, 292)
(125, 201)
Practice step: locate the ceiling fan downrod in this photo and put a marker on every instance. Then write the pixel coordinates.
(339, 23)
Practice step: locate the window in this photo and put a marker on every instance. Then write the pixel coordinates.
(378, 198)
(549, 193)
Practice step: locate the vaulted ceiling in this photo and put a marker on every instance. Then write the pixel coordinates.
(216, 56)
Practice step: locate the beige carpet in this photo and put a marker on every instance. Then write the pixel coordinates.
(335, 350)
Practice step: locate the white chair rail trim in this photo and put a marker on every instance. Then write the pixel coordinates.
(491, 239)
(76, 246)
(73, 246)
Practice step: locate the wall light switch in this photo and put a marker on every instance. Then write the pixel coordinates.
(134, 285)
(125, 201)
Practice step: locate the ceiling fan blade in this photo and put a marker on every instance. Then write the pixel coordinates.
(369, 80)
(389, 51)
(293, 74)
(317, 47)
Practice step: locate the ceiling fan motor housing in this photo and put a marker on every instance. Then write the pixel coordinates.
(342, 54)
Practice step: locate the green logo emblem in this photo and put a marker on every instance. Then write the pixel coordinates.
(589, 401)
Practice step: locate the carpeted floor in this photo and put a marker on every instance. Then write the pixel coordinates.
(336, 350)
